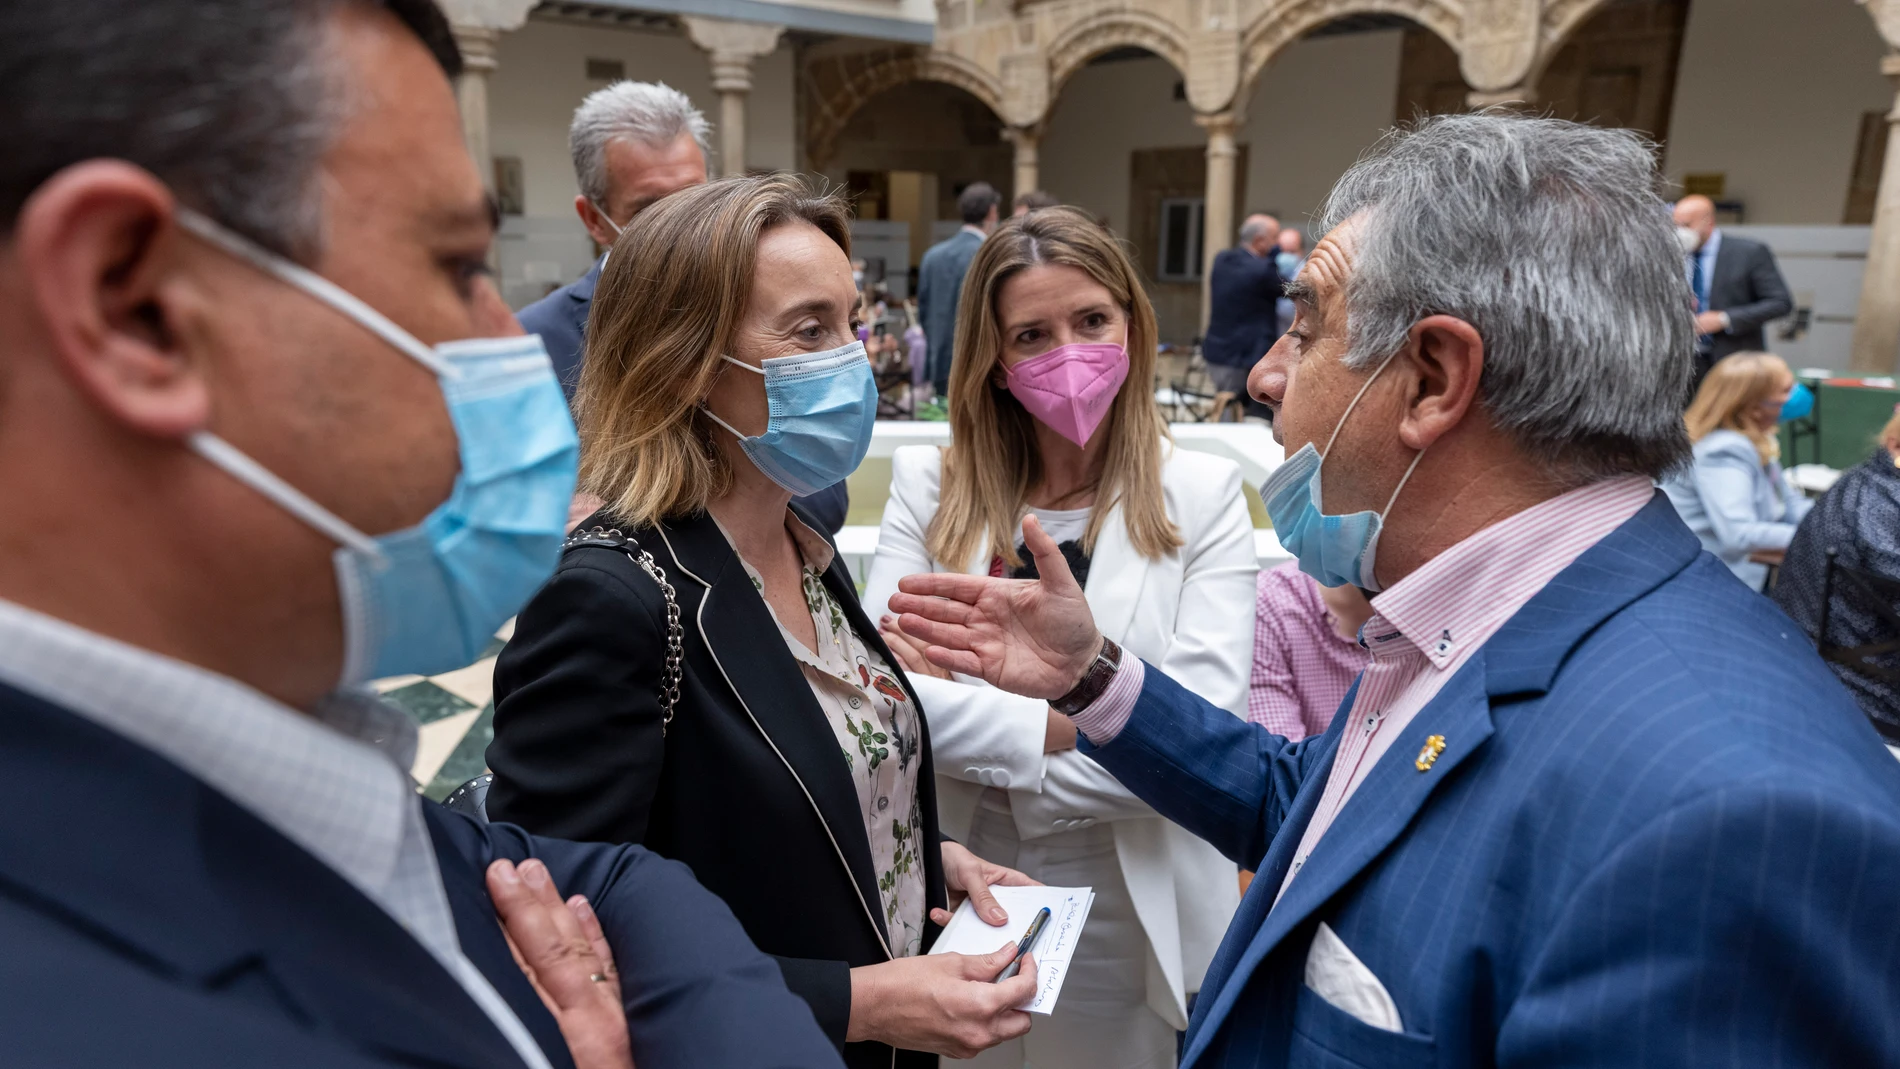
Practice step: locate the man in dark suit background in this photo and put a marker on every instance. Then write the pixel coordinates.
(940, 277)
(1243, 315)
(213, 853)
(1738, 287)
(632, 143)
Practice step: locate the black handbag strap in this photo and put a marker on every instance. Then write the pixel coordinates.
(614, 538)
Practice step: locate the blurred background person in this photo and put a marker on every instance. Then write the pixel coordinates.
(1030, 201)
(1734, 496)
(1306, 651)
(1859, 519)
(1053, 415)
(786, 760)
(1289, 260)
(1243, 317)
(1738, 287)
(940, 277)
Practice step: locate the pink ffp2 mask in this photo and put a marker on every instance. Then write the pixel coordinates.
(1071, 387)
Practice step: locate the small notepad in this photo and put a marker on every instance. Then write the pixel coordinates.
(1068, 911)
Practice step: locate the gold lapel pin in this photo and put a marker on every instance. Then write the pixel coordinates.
(1428, 753)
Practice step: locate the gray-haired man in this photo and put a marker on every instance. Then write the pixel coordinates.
(1592, 802)
(632, 143)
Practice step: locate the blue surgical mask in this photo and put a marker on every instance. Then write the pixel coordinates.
(821, 408)
(1800, 402)
(1334, 550)
(429, 598)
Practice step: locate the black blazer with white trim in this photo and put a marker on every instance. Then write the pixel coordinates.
(746, 785)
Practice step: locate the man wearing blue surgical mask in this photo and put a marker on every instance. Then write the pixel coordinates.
(243, 304)
(1585, 770)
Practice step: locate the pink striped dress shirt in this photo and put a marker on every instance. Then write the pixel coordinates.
(1425, 627)
(1302, 665)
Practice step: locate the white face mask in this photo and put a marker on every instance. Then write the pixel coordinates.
(1688, 239)
(608, 219)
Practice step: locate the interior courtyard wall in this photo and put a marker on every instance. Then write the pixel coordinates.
(1771, 92)
(541, 78)
(1310, 115)
(1103, 114)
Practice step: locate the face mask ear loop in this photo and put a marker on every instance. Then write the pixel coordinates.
(316, 286)
(1407, 477)
(1354, 403)
(618, 229)
(226, 456)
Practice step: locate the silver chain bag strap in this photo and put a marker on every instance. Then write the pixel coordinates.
(675, 634)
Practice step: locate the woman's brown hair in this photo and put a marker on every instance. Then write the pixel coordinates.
(992, 462)
(668, 301)
(1728, 395)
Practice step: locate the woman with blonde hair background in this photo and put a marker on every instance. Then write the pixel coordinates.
(1734, 496)
(1054, 426)
(698, 675)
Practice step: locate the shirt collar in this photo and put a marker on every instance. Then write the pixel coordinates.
(1457, 600)
(974, 229)
(1712, 246)
(334, 781)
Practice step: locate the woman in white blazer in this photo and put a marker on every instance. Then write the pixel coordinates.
(1053, 415)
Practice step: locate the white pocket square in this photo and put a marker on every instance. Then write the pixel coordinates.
(1338, 976)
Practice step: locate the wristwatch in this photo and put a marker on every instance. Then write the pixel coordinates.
(1101, 672)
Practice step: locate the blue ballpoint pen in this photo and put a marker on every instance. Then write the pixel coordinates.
(1028, 943)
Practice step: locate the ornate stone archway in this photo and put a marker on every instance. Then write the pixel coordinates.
(838, 85)
(1286, 21)
(1110, 29)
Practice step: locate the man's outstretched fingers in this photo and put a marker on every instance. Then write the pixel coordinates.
(953, 586)
(545, 932)
(943, 610)
(583, 912)
(955, 660)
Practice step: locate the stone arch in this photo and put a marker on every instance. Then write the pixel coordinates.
(1286, 21)
(1101, 31)
(841, 84)
(1555, 25)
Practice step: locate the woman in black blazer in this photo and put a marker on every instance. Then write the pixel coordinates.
(792, 769)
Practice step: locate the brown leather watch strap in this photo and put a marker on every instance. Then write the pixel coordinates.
(1101, 672)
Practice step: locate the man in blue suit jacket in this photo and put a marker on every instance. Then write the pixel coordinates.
(940, 277)
(1243, 305)
(1593, 802)
(227, 302)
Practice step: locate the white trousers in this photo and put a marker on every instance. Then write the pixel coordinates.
(1102, 1019)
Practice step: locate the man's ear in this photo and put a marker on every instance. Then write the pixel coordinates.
(1448, 357)
(102, 255)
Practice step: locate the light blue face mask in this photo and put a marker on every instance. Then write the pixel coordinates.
(821, 408)
(429, 598)
(1335, 550)
(1800, 402)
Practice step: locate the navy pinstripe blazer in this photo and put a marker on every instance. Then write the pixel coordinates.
(1660, 834)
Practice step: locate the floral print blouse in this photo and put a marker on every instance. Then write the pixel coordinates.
(878, 737)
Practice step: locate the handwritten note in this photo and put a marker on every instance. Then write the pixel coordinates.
(1068, 911)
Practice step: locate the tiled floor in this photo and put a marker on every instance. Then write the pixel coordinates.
(456, 714)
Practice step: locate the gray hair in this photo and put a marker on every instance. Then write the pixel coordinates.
(652, 113)
(1551, 239)
(231, 103)
(1255, 226)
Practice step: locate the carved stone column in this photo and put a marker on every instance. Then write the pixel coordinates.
(1218, 200)
(1027, 140)
(732, 47)
(478, 26)
(1876, 345)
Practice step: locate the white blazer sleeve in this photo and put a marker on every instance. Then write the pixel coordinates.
(1212, 655)
(977, 733)
(915, 474)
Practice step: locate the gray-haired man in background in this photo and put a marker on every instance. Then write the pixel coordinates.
(632, 143)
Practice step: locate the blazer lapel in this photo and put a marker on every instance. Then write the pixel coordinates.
(743, 640)
(220, 894)
(1117, 575)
